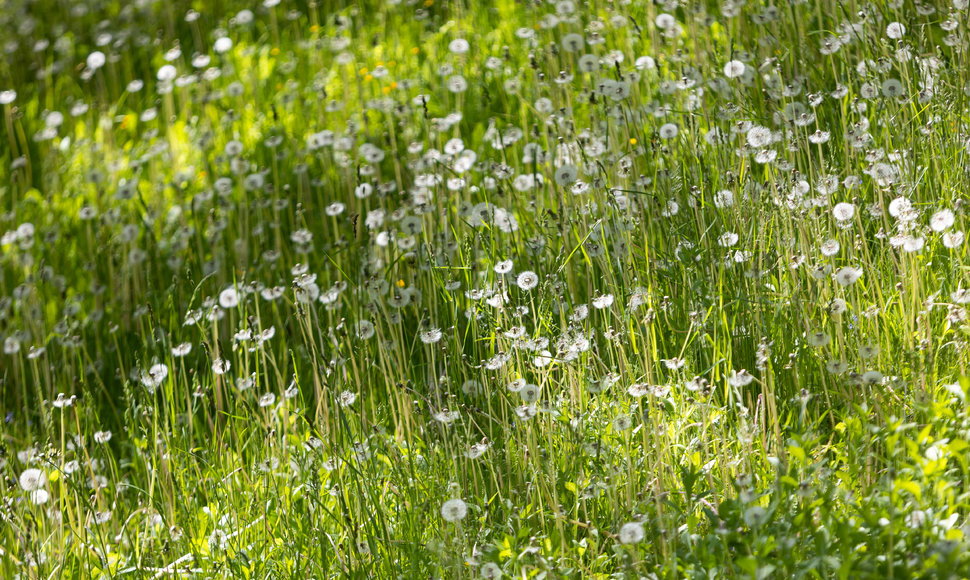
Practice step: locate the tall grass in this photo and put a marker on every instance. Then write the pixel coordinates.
(484, 289)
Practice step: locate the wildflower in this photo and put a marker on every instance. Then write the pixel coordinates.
(953, 240)
(696, 384)
(102, 436)
(942, 220)
(733, 69)
(346, 398)
(848, 276)
(11, 345)
(543, 359)
(728, 239)
(472, 388)
(740, 378)
(527, 280)
(430, 336)
(819, 137)
(454, 510)
(517, 385)
(830, 247)
(668, 131)
(566, 175)
(166, 73)
(95, 60)
(818, 338)
(631, 533)
(490, 571)
(229, 298)
(222, 45)
(220, 366)
(182, 349)
(638, 389)
(39, 497)
(759, 137)
(622, 423)
(32, 479)
(754, 516)
(529, 393)
(445, 416)
(723, 199)
(526, 412)
(900, 207)
(459, 46)
(154, 376)
(63, 400)
(895, 30)
(267, 400)
(674, 363)
(843, 212)
(503, 267)
(603, 301)
(365, 329)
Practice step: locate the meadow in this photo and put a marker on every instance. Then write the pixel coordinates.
(484, 289)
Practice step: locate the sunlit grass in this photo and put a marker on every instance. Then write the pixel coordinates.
(474, 289)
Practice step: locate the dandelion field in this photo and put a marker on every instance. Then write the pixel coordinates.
(544, 289)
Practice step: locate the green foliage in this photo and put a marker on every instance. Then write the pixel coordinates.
(481, 289)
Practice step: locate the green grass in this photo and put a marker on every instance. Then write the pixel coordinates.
(672, 290)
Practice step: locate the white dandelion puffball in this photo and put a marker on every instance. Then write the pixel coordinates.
(942, 220)
(39, 497)
(229, 298)
(32, 479)
(631, 533)
(733, 69)
(454, 510)
(848, 276)
(459, 46)
(96, 60)
(166, 73)
(895, 30)
(527, 280)
(843, 212)
(220, 366)
(222, 45)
